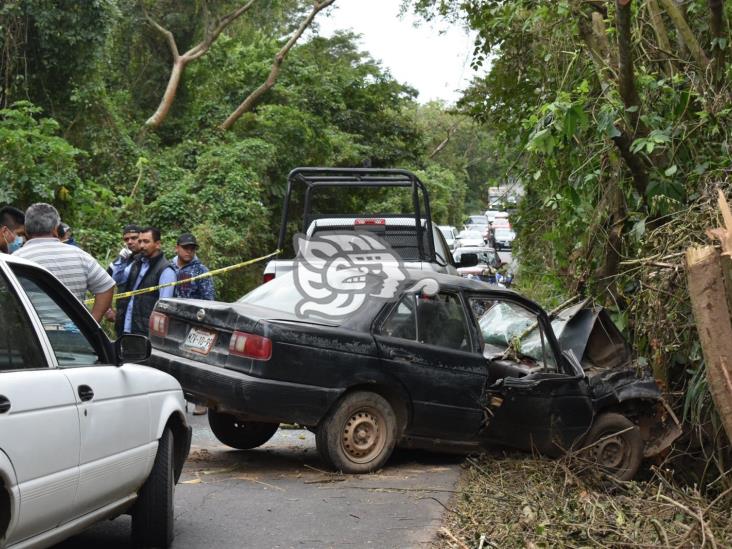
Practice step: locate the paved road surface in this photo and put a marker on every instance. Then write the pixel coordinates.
(278, 496)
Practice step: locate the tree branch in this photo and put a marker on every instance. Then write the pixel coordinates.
(180, 61)
(254, 97)
(717, 24)
(682, 27)
(659, 28)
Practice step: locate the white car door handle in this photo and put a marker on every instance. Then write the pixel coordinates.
(4, 404)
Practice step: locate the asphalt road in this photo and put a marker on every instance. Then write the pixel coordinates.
(279, 496)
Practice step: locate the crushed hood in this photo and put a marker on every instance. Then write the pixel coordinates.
(592, 335)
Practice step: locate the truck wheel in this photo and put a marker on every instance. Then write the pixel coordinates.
(616, 446)
(152, 515)
(239, 434)
(359, 434)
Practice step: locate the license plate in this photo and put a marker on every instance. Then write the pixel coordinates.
(199, 341)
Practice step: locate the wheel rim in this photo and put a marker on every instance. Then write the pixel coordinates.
(612, 453)
(363, 436)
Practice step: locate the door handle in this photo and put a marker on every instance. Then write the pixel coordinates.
(85, 393)
(401, 354)
(4, 404)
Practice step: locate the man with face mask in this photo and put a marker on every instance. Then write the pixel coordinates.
(12, 229)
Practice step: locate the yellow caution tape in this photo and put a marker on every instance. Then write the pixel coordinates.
(215, 272)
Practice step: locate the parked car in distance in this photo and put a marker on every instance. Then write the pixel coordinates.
(490, 215)
(504, 238)
(450, 233)
(461, 366)
(470, 237)
(487, 266)
(85, 436)
(476, 220)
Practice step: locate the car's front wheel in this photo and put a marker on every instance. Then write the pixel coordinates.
(615, 445)
(152, 515)
(242, 435)
(359, 434)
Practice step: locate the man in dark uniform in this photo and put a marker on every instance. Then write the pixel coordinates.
(150, 269)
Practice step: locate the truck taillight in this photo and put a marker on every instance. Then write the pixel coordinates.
(250, 346)
(267, 277)
(158, 324)
(370, 222)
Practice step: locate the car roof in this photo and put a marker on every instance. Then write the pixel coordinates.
(7, 258)
(473, 249)
(455, 282)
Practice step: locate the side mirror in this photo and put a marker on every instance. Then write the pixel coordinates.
(132, 348)
(468, 260)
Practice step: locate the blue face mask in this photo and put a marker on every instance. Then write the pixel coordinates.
(16, 244)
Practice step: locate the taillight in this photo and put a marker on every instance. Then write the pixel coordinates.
(158, 324)
(370, 222)
(267, 277)
(250, 346)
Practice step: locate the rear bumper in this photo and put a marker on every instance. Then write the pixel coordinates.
(250, 397)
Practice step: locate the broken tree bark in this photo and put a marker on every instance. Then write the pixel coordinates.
(682, 27)
(253, 97)
(712, 316)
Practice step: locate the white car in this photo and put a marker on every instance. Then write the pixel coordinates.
(470, 237)
(83, 436)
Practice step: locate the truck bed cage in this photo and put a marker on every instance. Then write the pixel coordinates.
(315, 178)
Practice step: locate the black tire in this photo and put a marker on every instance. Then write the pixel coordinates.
(242, 435)
(359, 434)
(152, 515)
(615, 445)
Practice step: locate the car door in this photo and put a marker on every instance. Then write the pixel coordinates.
(114, 409)
(536, 397)
(39, 421)
(426, 342)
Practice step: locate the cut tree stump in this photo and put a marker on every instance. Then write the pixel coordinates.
(712, 316)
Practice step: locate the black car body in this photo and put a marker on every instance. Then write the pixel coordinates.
(470, 366)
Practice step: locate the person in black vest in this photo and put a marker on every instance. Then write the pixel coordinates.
(150, 269)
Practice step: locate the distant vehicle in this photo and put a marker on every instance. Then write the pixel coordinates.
(501, 215)
(470, 237)
(412, 236)
(491, 215)
(469, 367)
(85, 436)
(450, 233)
(488, 263)
(504, 238)
(501, 222)
(476, 220)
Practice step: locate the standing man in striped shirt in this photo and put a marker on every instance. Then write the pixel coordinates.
(75, 268)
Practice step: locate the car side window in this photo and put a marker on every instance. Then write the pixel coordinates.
(441, 322)
(19, 345)
(507, 327)
(70, 345)
(402, 322)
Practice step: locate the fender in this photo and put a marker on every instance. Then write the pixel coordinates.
(8, 477)
(169, 409)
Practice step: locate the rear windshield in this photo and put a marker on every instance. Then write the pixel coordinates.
(279, 294)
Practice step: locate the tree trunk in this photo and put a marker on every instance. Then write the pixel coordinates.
(717, 24)
(659, 28)
(682, 27)
(171, 89)
(253, 97)
(712, 316)
(626, 77)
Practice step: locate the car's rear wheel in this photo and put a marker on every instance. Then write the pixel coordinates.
(359, 434)
(152, 515)
(239, 434)
(615, 445)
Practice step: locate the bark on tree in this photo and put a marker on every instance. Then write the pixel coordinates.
(659, 28)
(712, 316)
(254, 97)
(180, 61)
(626, 77)
(685, 32)
(717, 26)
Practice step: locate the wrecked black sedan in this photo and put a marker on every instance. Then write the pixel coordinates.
(447, 364)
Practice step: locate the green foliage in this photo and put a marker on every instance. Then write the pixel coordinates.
(35, 163)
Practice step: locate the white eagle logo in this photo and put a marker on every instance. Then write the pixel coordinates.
(337, 273)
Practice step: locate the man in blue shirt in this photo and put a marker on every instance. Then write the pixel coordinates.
(149, 270)
(187, 265)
